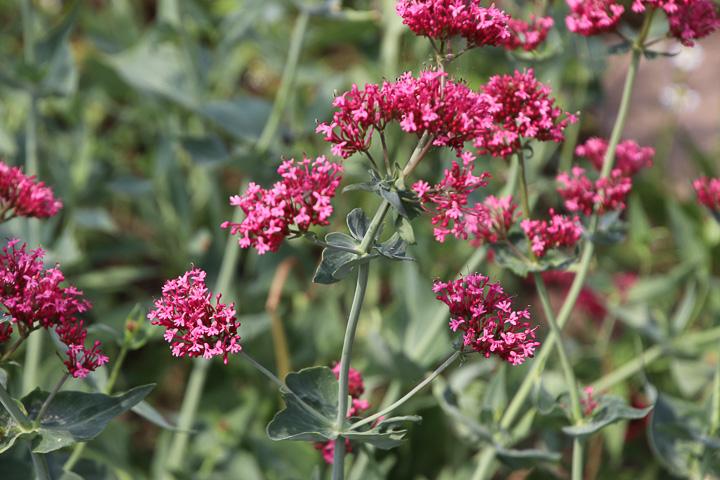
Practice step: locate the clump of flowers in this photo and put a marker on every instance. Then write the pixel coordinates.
(695, 20)
(448, 110)
(492, 219)
(559, 232)
(300, 200)
(593, 17)
(526, 111)
(23, 196)
(34, 298)
(356, 388)
(708, 192)
(588, 402)
(443, 19)
(583, 195)
(528, 35)
(448, 200)
(196, 323)
(630, 157)
(484, 313)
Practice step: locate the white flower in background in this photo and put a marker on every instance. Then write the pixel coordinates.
(689, 59)
(679, 98)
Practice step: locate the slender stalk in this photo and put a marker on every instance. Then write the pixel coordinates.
(263, 370)
(524, 196)
(40, 466)
(449, 361)
(49, 399)
(517, 403)
(115, 372)
(9, 353)
(280, 343)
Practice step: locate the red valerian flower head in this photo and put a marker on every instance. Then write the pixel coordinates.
(492, 219)
(526, 111)
(593, 17)
(694, 20)
(444, 19)
(630, 157)
(448, 200)
(300, 199)
(34, 298)
(560, 232)
(196, 323)
(589, 403)
(528, 35)
(708, 192)
(356, 387)
(583, 195)
(23, 196)
(448, 110)
(485, 315)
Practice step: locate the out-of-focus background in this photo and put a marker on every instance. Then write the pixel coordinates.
(152, 113)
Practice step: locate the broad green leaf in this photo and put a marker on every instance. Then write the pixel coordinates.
(529, 458)
(394, 248)
(149, 413)
(77, 416)
(9, 430)
(311, 402)
(611, 230)
(495, 398)
(54, 53)
(671, 437)
(467, 427)
(358, 223)
(242, 117)
(206, 151)
(610, 409)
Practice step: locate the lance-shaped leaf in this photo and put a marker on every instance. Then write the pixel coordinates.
(610, 409)
(311, 402)
(394, 248)
(77, 416)
(9, 430)
(386, 434)
(529, 458)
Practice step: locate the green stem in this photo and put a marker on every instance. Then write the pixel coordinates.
(271, 376)
(286, 82)
(524, 196)
(40, 466)
(12, 408)
(48, 400)
(577, 459)
(449, 361)
(517, 403)
(115, 373)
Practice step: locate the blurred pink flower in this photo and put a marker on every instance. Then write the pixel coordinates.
(583, 195)
(23, 196)
(560, 232)
(484, 313)
(196, 323)
(492, 219)
(630, 157)
(694, 20)
(708, 192)
(593, 17)
(528, 35)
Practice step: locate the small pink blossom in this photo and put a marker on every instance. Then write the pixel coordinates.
(300, 199)
(630, 157)
(528, 35)
(23, 196)
(526, 111)
(589, 403)
(593, 17)
(583, 195)
(34, 298)
(708, 192)
(197, 324)
(444, 19)
(492, 219)
(559, 232)
(483, 312)
(356, 386)
(448, 200)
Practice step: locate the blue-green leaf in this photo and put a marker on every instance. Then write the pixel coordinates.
(610, 409)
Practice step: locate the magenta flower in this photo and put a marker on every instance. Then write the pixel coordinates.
(630, 157)
(583, 195)
(708, 192)
(526, 110)
(560, 232)
(33, 298)
(484, 313)
(23, 196)
(444, 19)
(528, 35)
(299, 200)
(452, 113)
(448, 200)
(694, 20)
(356, 386)
(492, 220)
(593, 17)
(196, 323)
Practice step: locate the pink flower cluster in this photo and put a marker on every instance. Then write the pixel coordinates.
(559, 232)
(356, 387)
(33, 298)
(301, 199)
(589, 403)
(448, 200)
(528, 35)
(708, 192)
(689, 19)
(22, 196)
(593, 17)
(492, 220)
(630, 157)
(448, 110)
(485, 315)
(196, 323)
(583, 195)
(444, 19)
(526, 110)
